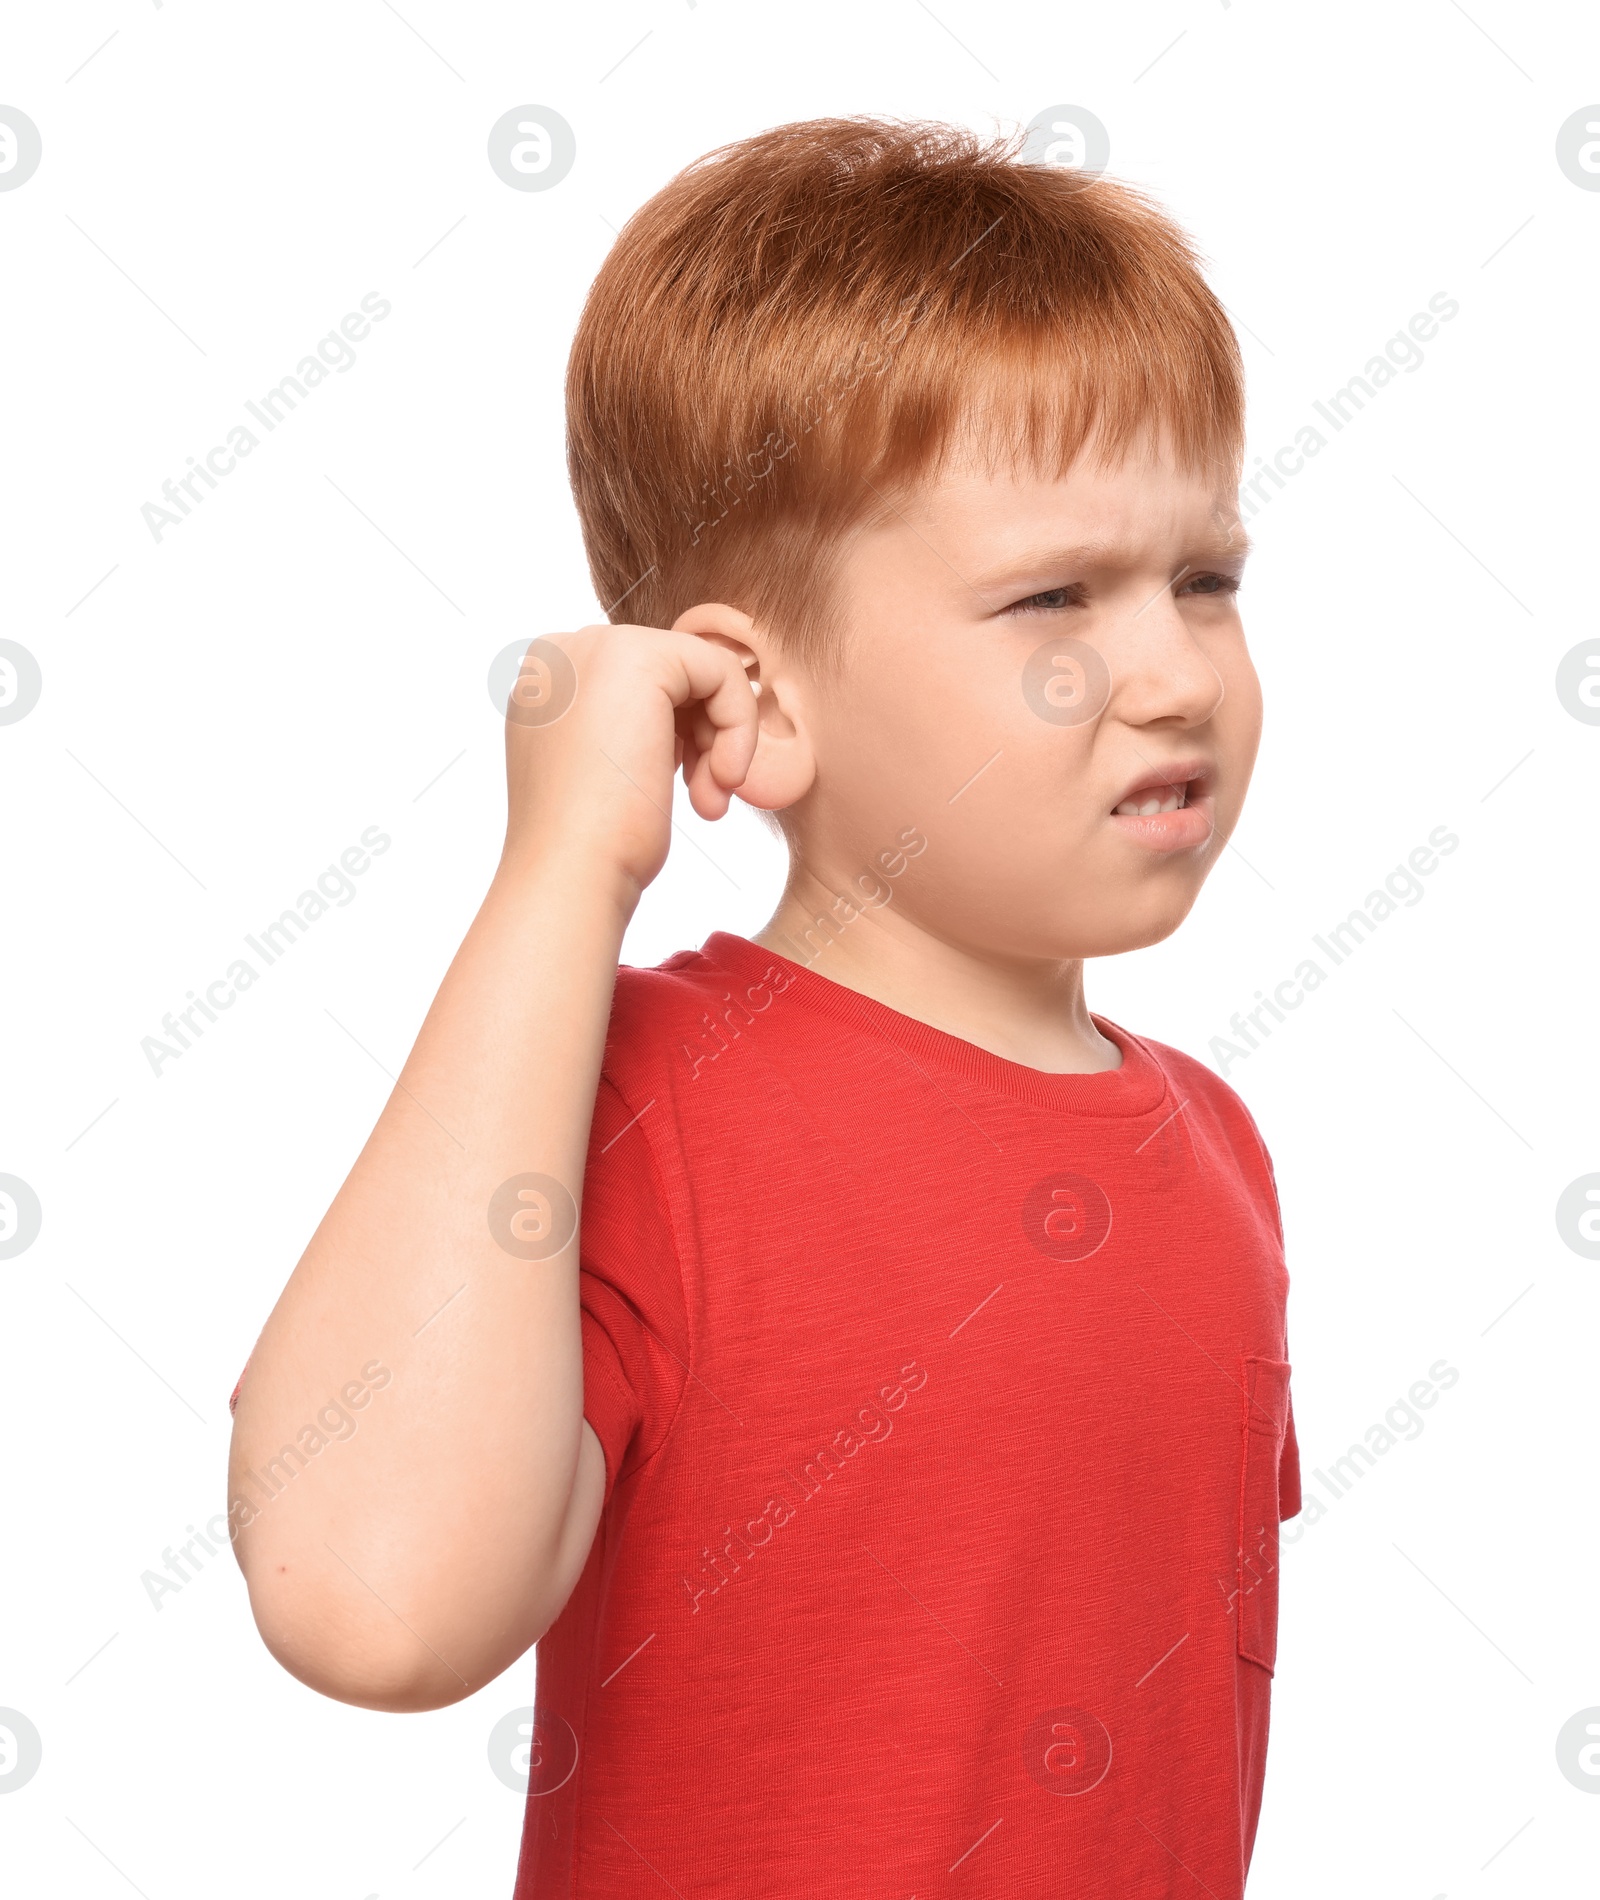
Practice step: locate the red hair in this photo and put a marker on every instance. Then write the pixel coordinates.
(805, 323)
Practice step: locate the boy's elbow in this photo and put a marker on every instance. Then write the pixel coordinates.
(354, 1658)
(391, 1622)
(348, 1649)
(333, 1633)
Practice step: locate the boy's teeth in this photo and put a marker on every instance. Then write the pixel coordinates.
(1147, 804)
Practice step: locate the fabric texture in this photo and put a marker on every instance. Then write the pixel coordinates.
(946, 1417)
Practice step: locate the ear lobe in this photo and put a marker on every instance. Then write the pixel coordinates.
(784, 766)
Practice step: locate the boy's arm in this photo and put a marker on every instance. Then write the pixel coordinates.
(438, 1530)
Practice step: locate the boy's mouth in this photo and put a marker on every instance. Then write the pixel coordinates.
(1167, 788)
(1169, 809)
(1156, 799)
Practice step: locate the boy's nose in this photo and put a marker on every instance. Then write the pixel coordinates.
(1158, 669)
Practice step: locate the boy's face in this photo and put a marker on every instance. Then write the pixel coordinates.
(1023, 657)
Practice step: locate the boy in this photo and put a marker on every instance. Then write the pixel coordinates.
(894, 1488)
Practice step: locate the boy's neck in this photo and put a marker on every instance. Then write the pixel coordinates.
(1025, 1011)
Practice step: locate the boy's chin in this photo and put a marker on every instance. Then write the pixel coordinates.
(1111, 933)
(1124, 941)
(1115, 932)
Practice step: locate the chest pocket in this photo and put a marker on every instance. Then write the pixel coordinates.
(1266, 1383)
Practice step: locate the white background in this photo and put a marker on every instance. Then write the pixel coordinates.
(226, 710)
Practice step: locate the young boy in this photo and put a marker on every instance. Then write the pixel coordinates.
(860, 1368)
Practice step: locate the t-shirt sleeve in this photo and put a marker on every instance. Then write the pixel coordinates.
(635, 1328)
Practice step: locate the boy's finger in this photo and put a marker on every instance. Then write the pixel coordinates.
(714, 677)
(722, 723)
(709, 794)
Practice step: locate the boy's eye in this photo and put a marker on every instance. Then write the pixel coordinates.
(1211, 584)
(1052, 600)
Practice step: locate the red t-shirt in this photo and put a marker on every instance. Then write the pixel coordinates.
(946, 1419)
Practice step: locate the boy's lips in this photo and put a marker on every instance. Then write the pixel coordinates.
(1170, 807)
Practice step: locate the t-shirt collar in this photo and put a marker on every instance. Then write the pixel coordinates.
(1135, 1088)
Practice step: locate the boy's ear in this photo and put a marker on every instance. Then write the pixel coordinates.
(784, 766)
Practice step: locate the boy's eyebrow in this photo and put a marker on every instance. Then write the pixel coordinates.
(1236, 541)
(1235, 545)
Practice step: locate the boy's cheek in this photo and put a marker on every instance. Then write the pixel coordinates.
(1238, 723)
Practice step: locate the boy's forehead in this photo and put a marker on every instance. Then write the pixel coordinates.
(1106, 515)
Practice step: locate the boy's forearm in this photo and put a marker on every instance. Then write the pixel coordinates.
(464, 1460)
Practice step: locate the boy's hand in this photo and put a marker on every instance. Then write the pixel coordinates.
(594, 775)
